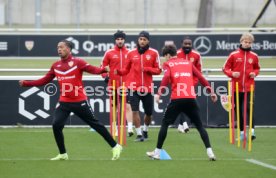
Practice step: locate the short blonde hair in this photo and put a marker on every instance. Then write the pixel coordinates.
(248, 36)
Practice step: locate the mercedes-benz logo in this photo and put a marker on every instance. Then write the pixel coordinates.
(202, 44)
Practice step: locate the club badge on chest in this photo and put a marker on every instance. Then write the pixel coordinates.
(71, 63)
(148, 57)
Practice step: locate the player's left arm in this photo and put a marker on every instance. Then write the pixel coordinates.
(198, 64)
(105, 62)
(164, 83)
(205, 83)
(256, 66)
(165, 80)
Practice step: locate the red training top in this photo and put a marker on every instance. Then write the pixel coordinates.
(194, 57)
(141, 67)
(116, 59)
(179, 73)
(244, 62)
(69, 75)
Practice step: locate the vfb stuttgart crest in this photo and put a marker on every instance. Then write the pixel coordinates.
(29, 45)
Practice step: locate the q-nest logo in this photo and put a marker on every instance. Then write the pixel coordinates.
(23, 101)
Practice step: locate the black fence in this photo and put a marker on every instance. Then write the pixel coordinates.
(208, 44)
(33, 106)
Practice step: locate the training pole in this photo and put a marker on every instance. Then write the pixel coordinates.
(125, 129)
(125, 120)
(122, 125)
(238, 114)
(244, 119)
(118, 114)
(230, 112)
(250, 119)
(233, 112)
(113, 110)
(110, 112)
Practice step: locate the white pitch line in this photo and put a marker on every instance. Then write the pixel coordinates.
(261, 163)
(146, 158)
(123, 159)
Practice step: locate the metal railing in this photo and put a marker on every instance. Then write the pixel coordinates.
(174, 30)
(206, 72)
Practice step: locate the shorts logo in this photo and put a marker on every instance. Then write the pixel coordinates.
(29, 45)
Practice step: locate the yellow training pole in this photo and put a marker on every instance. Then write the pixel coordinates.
(229, 112)
(113, 110)
(238, 114)
(122, 115)
(250, 119)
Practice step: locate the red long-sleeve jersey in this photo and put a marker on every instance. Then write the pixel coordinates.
(140, 68)
(179, 73)
(244, 62)
(69, 76)
(116, 60)
(194, 57)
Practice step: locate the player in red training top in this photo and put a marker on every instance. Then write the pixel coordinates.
(179, 73)
(142, 63)
(68, 71)
(242, 66)
(115, 58)
(186, 52)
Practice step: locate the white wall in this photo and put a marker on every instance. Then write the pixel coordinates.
(2, 13)
(164, 12)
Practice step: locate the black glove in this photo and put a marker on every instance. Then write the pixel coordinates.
(106, 79)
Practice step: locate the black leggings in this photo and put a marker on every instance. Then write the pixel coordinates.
(241, 104)
(84, 111)
(191, 109)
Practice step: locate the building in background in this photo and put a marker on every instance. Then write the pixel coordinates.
(138, 13)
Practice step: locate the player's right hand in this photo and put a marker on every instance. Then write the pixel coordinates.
(157, 98)
(106, 79)
(107, 69)
(236, 74)
(21, 83)
(214, 97)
